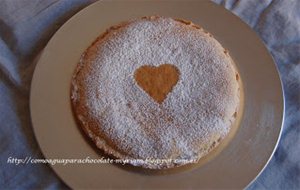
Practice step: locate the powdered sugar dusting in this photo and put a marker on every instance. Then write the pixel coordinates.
(128, 123)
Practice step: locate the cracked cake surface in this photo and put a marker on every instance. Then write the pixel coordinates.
(126, 122)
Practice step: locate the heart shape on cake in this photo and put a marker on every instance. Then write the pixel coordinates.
(158, 82)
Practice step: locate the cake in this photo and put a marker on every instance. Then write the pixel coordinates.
(156, 91)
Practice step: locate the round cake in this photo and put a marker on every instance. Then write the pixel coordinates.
(155, 91)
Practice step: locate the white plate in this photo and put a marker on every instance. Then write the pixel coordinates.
(234, 167)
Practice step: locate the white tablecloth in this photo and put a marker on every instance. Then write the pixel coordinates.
(27, 25)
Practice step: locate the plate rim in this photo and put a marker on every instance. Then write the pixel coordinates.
(100, 2)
